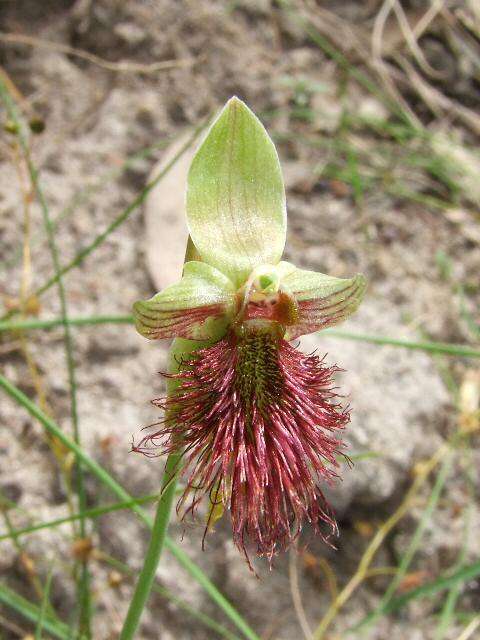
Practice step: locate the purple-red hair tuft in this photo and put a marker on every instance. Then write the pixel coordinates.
(259, 424)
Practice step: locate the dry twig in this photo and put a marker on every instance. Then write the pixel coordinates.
(125, 66)
(296, 595)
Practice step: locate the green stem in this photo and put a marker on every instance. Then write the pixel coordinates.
(432, 347)
(181, 604)
(154, 551)
(179, 349)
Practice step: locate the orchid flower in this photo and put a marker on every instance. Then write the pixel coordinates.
(258, 422)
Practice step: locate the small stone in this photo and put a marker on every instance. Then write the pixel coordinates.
(130, 33)
(372, 109)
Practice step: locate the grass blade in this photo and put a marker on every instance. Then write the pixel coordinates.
(31, 612)
(445, 348)
(89, 513)
(43, 608)
(431, 347)
(465, 574)
(106, 479)
(166, 593)
(412, 547)
(84, 579)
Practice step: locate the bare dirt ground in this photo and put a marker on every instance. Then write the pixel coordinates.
(362, 196)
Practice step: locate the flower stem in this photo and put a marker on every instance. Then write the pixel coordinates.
(154, 551)
(146, 578)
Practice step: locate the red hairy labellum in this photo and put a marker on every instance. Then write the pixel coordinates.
(258, 422)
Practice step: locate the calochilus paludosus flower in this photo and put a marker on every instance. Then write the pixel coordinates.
(257, 421)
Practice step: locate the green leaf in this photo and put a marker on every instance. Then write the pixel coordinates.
(198, 307)
(322, 301)
(236, 208)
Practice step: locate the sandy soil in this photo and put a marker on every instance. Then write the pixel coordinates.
(95, 119)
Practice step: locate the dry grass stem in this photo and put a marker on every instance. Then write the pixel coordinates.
(118, 67)
(423, 472)
(296, 594)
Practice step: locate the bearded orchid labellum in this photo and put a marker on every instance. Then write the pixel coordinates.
(258, 421)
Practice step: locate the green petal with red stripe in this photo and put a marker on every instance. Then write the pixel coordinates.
(322, 301)
(198, 307)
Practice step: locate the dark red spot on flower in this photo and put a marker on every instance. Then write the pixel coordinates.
(278, 307)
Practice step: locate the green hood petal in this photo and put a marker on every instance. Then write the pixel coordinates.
(236, 209)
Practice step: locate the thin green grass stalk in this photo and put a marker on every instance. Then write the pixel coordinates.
(105, 478)
(12, 535)
(448, 610)
(31, 612)
(431, 347)
(166, 593)
(82, 196)
(338, 57)
(412, 548)
(424, 345)
(119, 220)
(89, 513)
(20, 325)
(43, 609)
(6, 503)
(463, 575)
(84, 579)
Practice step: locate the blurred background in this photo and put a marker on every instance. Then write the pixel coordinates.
(374, 108)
